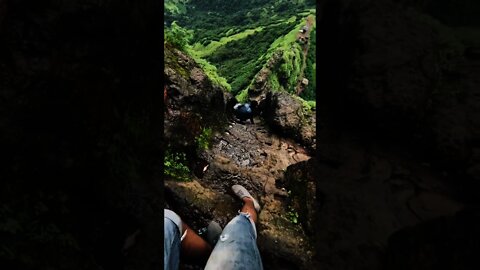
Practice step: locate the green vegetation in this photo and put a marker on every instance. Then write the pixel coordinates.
(308, 105)
(240, 60)
(242, 96)
(289, 70)
(233, 40)
(178, 36)
(203, 140)
(274, 83)
(175, 166)
(309, 93)
(285, 42)
(212, 19)
(211, 72)
(203, 51)
(292, 215)
(175, 6)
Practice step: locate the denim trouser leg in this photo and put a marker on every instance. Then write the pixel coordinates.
(171, 245)
(236, 248)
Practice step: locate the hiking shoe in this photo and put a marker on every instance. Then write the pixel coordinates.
(213, 233)
(241, 193)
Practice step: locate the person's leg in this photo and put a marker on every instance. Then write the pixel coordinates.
(171, 240)
(180, 238)
(248, 207)
(194, 247)
(237, 247)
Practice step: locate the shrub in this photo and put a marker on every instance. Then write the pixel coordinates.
(178, 36)
(203, 140)
(175, 166)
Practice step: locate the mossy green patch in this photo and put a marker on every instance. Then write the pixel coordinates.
(284, 42)
(175, 6)
(242, 96)
(290, 67)
(203, 140)
(308, 105)
(274, 83)
(172, 61)
(292, 19)
(202, 51)
(211, 71)
(175, 166)
(179, 36)
(309, 93)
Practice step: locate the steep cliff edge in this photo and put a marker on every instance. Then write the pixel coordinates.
(218, 153)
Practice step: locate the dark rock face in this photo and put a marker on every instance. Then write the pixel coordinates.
(80, 107)
(300, 179)
(399, 139)
(286, 115)
(395, 71)
(365, 194)
(192, 100)
(443, 243)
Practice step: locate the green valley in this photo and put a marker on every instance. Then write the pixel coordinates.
(237, 39)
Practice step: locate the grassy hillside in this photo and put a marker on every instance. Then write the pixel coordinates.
(175, 6)
(240, 60)
(239, 37)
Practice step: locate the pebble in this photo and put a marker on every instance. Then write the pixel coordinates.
(245, 162)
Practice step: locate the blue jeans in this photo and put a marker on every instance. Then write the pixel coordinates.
(236, 248)
(171, 245)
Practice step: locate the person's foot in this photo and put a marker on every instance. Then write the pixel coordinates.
(213, 233)
(241, 193)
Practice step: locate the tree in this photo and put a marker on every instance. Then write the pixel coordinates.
(178, 36)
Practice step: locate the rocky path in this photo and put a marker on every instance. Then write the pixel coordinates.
(248, 154)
